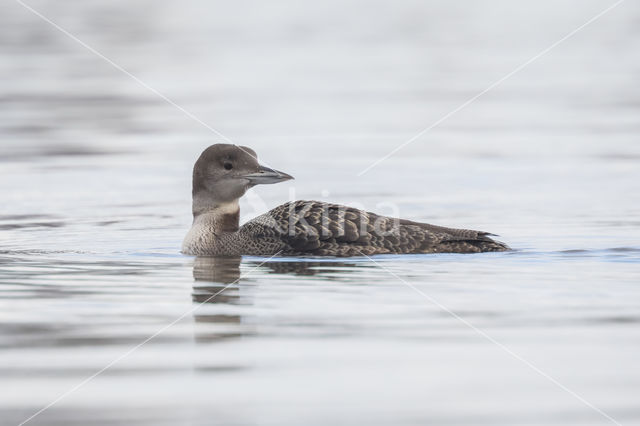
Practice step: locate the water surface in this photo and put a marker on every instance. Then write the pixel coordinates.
(95, 183)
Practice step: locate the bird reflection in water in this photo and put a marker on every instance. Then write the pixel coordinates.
(219, 281)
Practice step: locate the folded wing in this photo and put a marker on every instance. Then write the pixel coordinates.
(315, 228)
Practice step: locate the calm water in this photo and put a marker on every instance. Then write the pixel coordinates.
(95, 183)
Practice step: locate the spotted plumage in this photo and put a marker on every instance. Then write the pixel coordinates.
(313, 228)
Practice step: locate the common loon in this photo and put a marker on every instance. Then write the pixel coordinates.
(223, 174)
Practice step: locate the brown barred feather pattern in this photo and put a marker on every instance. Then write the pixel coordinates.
(313, 228)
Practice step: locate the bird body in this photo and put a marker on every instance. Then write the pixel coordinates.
(302, 228)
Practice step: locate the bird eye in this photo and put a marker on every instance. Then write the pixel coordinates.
(228, 166)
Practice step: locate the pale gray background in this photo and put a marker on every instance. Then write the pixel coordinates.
(95, 184)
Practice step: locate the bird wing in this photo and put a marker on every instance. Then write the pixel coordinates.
(318, 228)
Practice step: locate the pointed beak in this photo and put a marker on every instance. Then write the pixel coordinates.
(267, 175)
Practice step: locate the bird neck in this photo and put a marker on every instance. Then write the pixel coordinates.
(222, 217)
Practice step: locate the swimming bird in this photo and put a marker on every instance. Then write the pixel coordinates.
(224, 172)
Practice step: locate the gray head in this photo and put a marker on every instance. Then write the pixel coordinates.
(224, 172)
